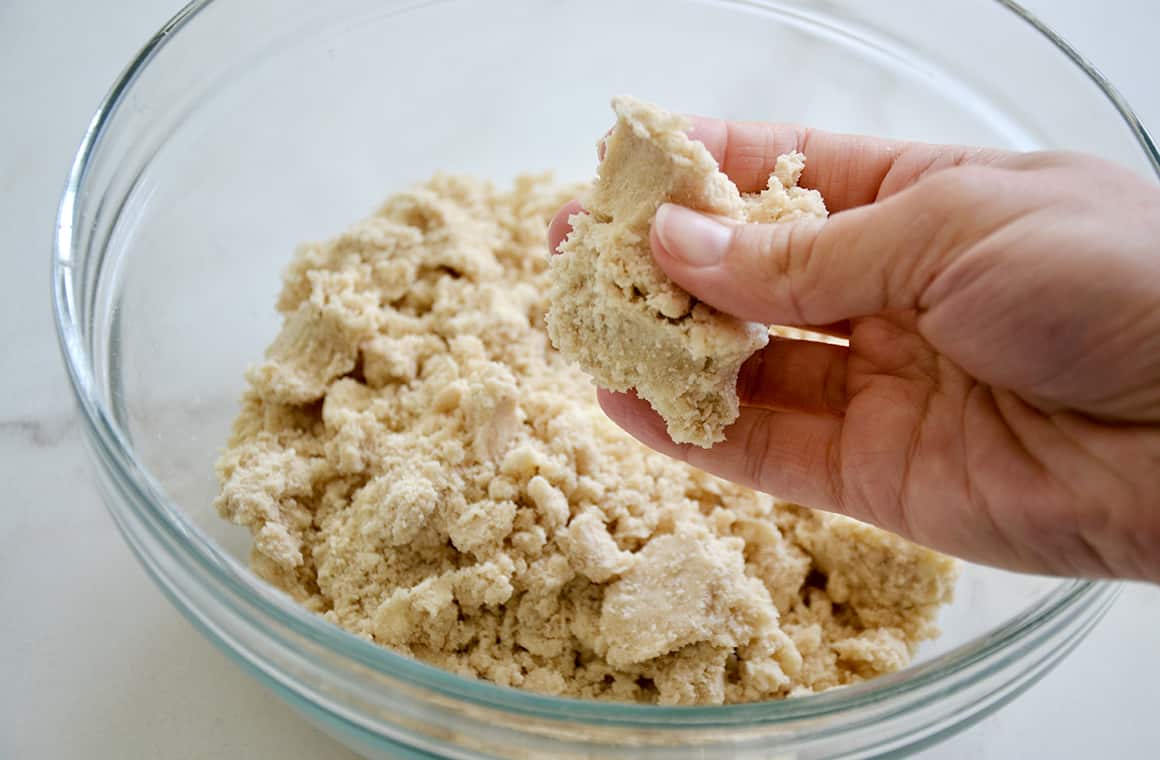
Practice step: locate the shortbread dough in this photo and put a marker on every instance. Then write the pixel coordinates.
(618, 315)
(420, 466)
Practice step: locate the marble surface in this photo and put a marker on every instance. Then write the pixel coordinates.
(95, 663)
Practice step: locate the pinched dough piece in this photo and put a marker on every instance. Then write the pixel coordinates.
(614, 311)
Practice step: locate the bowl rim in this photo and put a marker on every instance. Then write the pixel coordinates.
(252, 598)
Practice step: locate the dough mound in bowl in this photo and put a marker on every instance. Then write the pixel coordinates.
(419, 465)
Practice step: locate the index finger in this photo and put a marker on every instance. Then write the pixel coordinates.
(848, 170)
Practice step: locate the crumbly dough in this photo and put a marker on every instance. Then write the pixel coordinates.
(418, 464)
(618, 315)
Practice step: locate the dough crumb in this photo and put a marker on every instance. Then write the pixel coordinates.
(614, 311)
(418, 464)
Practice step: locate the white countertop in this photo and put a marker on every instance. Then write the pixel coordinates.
(95, 663)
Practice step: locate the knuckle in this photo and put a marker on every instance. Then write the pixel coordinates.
(835, 475)
(775, 259)
(946, 209)
(750, 154)
(749, 378)
(770, 148)
(949, 189)
(834, 387)
(756, 448)
(799, 275)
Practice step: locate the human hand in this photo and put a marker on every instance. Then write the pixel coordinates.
(1000, 396)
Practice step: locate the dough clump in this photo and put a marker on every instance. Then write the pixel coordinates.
(419, 465)
(614, 311)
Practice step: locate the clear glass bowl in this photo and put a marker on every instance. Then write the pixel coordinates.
(243, 128)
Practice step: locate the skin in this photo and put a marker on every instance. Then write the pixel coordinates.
(1000, 395)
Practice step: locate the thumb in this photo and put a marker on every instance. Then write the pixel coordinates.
(870, 259)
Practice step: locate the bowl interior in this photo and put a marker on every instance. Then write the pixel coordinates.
(252, 131)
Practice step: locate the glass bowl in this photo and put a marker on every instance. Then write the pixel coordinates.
(244, 128)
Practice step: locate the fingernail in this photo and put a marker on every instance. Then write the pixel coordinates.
(690, 237)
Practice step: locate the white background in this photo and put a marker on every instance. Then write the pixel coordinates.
(94, 663)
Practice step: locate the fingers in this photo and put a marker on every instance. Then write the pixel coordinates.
(848, 170)
(559, 227)
(792, 455)
(795, 375)
(864, 261)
